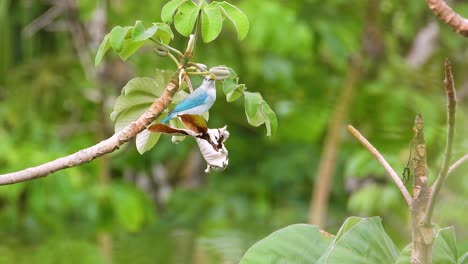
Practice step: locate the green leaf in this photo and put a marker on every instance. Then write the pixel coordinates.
(361, 240)
(238, 18)
(445, 247)
(232, 89)
(236, 93)
(139, 32)
(463, 259)
(253, 102)
(212, 22)
(168, 10)
(299, 243)
(164, 32)
(145, 140)
(130, 47)
(271, 121)
(103, 48)
(186, 17)
(259, 112)
(137, 95)
(117, 37)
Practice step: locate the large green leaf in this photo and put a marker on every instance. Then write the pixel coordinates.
(145, 140)
(186, 17)
(130, 47)
(238, 18)
(168, 10)
(212, 22)
(361, 240)
(137, 95)
(299, 243)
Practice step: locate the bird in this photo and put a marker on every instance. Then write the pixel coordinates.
(198, 102)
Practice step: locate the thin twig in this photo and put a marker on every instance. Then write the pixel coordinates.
(443, 11)
(451, 106)
(383, 162)
(457, 163)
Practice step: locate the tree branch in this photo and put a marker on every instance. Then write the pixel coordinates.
(422, 235)
(449, 16)
(383, 162)
(457, 164)
(105, 146)
(451, 106)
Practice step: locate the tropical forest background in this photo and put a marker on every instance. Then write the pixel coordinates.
(319, 64)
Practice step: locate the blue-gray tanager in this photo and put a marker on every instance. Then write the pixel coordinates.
(198, 102)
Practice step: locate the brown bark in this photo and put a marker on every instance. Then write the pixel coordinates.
(449, 16)
(422, 234)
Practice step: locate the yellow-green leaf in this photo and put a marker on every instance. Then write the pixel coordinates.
(212, 22)
(238, 18)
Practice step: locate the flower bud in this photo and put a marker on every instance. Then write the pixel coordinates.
(221, 72)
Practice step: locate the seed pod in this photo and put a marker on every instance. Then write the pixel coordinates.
(161, 51)
(221, 72)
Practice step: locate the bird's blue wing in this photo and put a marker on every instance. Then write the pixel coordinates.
(193, 100)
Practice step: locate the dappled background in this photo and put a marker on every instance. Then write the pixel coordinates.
(320, 65)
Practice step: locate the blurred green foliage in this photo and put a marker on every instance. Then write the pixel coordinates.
(296, 55)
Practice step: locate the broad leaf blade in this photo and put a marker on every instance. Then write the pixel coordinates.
(130, 47)
(361, 240)
(145, 140)
(444, 249)
(137, 95)
(139, 32)
(253, 102)
(168, 10)
(238, 18)
(117, 37)
(212, 22)
(103, 48)
(186, 17)
(298, 243)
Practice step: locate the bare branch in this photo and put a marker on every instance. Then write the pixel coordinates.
(451, 106)
(383, 162)
(457, 164)
(449, 16)
(103, 147)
